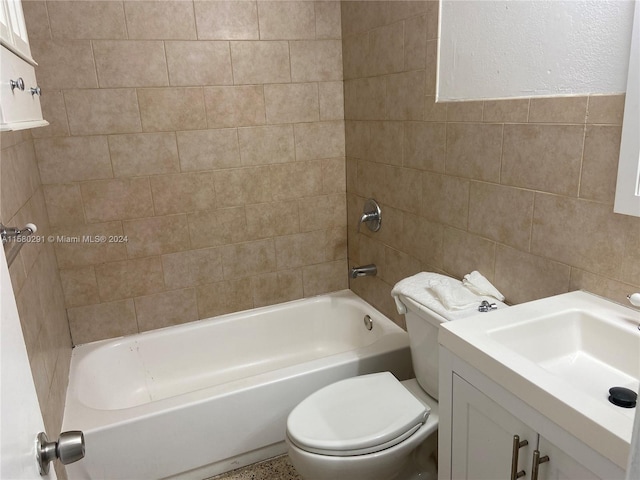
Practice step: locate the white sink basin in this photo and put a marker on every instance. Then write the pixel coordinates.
(560, 355)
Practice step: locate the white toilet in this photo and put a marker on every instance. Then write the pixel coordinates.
(370, 427)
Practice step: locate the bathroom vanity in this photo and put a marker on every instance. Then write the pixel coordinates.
(524, 391)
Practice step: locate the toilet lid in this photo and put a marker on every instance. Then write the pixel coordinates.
(355, 416)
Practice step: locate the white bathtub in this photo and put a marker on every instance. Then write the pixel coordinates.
(203, 398)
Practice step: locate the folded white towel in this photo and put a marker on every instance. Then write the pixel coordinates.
(477, 283)
(452, 294)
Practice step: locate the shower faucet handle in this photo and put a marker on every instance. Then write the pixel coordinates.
(371, 215)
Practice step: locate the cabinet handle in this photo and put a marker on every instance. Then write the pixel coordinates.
(19, 84)
(517, 445)
(36, 91)
(537, 460)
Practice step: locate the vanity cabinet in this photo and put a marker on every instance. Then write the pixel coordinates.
(19, 91)
(488, 433)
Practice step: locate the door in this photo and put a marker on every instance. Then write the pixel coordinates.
(560, 465)
(482, 437)
(20, 417)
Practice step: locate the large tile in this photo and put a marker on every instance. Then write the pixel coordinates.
(102, 111)
(398, 187)
(81, 253)
(319, 140)
(217, 227)
(80, 286)
(104, 320)
(129, 278)
(405, 95)
(276, 287)
(64, 203)
(325, 278)
(192, 267)
(143, 154)
(235, 106)
(607, 109)
(156, 235)
(295, 180)
(334, 175)
(445, 199)
(399, 265)
(386, 53)
(465, 252)
(122, 63)
(272, 219)
(55, 111)
(266, 145)
(292, 103)
(558, 110)
(601, 285)
(415, 43)
(331, 100)
(77, 57)
(365, 99)
(319, 213)
(422, 239)
(162, 20)
(328, 19)
(386, 142)
(424, 146)
(93, 20)
(224, 297)
(166, 109)
(229, 20)
(247, 259)
(507, 111)
(285, 20)
(72, 159)
(464, 111)
(600, 162)
(301, 249)
(199, 63)
(242, 186)
(260, 62)
(316, 60)
(355, 56)
(208, 149)
(166, 309)
(543, 157)
(118, 199)
(37, 19)
(474, 150)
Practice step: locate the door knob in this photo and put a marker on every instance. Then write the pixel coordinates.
(69, 448)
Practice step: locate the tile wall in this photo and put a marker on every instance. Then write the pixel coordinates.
(210, 135)
(520, 190)
(35, 278)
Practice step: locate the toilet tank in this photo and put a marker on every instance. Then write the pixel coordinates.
(422, 326)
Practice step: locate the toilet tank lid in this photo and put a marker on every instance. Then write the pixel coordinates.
(356, 413)
(442, 315)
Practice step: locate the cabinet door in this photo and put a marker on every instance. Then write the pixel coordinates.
(482, 437)
(18, 29)
(560, 465)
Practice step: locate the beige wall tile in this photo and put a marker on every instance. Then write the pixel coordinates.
(543, 157)
(331, 100)
(371, 251)
(276, 287)
(386, 54)
(434, 112)
(605, 109)
(95, 19)
(445, 199)
(272, 219)
(129, 278)
(118, 199)
(386, 142)
(396, 186)
(401, 9)
(199, 63)
(424, 146)
(193, 267)
(503, 214)
(301, 249)
(105, 320)
(64, 204)
(235, 106)
(164, 20)
(604, 286)
(431, 69)
(37, 19)
(164, 109)
(80, 286)
(415, 43)
(336, 243)
(325, 277)
(328, 17)
(295, 180)
(54, 110)
(359, 17)
(224, 297)
(102, 111)
(464, 252)
(473, 151)
(183, 192)
(80, 254)
(229, 20)
(558, 110)
(241, 186)
(405, 95)
(71, 159)
(319, 213)
(266, 145)
(260, 62)
(369, 99)
(316, 60)
(508, 111)
(631, 259)
(291, 103)
(355, 56)
(122, 63)
(75, 55)
(334, 175)
(319, 140)
(19, 178)
(284, 20)
(166, 309)
(578, 233)
(208, 149)
(600, 163)
(422, 239)
(357, 135)
(465, 111)
(399, 265)
(143, 154)
(156, 235)
(246, 259)
(217, 227)
(522, 277)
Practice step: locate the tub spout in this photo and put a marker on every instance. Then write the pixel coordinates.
(364, 271)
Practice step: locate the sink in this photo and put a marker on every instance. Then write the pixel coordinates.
(560, 355)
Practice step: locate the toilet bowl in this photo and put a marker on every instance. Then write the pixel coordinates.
(374, 427)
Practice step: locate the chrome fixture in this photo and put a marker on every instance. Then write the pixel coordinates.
(15, 235)
(371, 215)
(634, 299)
(36, 91)
(486, 306)
(364, 271)
(69, 448)
(19, 84)
(517, 445)
(368, 323)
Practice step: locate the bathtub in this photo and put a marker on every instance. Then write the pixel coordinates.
(199, 399)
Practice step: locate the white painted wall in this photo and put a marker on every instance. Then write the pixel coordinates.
(522, 48)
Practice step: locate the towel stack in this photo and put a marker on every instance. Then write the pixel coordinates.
(447, 296)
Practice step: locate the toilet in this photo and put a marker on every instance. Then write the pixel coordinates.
(374, 427)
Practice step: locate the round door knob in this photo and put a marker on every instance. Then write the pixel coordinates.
(19, 84)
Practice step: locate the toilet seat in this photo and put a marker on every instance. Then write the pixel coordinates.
(356, 416)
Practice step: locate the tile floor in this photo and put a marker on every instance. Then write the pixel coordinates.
(278, 468)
